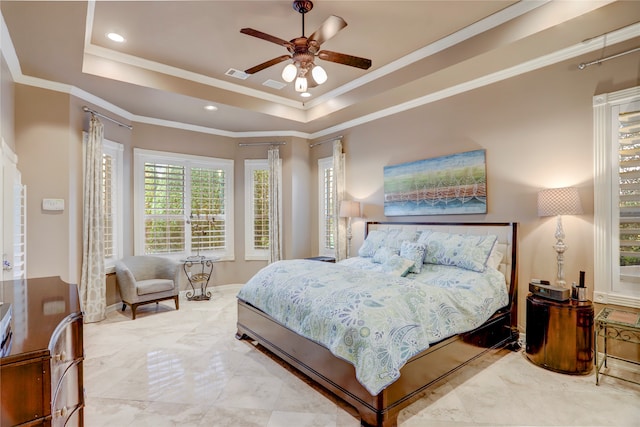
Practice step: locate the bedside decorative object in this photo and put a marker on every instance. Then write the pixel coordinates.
(560, 334)
(618, 325)
(558, 202)
(349, 209)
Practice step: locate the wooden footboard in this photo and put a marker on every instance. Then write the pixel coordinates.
(338, 376)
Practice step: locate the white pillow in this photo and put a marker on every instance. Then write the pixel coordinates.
(495, 258)
(372, 243)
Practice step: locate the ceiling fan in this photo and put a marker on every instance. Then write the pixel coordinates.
(303, 51)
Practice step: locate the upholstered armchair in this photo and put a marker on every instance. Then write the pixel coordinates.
(145, 279)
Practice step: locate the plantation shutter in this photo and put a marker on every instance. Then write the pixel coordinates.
(261, 209)
(164, 216)
(207, 209)
(328, 209)
(107, 191)
(629, 195)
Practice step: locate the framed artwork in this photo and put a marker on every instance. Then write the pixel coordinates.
(453, 184)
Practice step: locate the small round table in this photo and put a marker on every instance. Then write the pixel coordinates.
(198, 270)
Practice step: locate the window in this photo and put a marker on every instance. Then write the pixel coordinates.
(184, 205)
(256, 178)
(617, 198)
(326, 204)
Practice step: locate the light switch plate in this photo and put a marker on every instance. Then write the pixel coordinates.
(53, 204)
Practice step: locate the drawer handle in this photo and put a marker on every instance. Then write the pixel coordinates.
(61, 412)
(59, 357)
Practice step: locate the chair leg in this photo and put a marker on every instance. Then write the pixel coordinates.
(177, 301)
(124, 306)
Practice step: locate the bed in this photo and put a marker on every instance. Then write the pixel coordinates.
(344, 366)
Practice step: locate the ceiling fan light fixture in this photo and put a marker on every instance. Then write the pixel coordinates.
(319, 74)
(301, 84)
(305, 94)
(289, 73)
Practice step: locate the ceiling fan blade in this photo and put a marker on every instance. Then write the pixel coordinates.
(328, 29)
(267, 64)
(341, 58)
(265, 36)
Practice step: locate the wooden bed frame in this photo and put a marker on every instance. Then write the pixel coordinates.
(421, 371)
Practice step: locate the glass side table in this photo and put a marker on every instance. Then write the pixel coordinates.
(198, 270)
(618, 325)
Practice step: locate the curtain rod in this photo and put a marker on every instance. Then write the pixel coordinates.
(325, 140)
(251, 144)
(89, 110)
(584, 65)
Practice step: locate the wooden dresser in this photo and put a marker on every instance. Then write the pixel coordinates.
(41, 373)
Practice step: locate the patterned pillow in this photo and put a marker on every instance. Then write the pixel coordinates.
(397, 266)
(413, 251)
(395, 238)
(465, 251)
(383, 254)
(374, 240)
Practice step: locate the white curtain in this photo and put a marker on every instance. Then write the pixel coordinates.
(340, 224)
(92, 281)
(275, 205)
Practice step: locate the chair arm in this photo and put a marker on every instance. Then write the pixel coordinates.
(126, 282)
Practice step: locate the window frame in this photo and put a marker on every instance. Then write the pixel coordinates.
(188, 161)
(323, 164)
(608, 288)
(251, 253)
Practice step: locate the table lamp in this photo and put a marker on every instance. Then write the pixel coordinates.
(558, 202)
(349, 209)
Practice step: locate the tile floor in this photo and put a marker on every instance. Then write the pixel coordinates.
(185, 368)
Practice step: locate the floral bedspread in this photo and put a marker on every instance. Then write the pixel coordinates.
(371, 319)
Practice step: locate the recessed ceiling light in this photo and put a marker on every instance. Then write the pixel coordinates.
(115, 37)
(211, 108)
(305, 94)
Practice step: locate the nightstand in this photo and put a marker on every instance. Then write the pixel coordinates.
(560, 334)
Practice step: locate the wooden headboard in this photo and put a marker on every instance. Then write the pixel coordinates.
(507, 244)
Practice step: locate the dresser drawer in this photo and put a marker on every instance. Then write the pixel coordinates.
(67, 396)
(66, 347)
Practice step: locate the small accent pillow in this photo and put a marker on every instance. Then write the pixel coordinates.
(413, 251)
(465, 251)
(495, 258)
(397, 266)
(372, 243)
(383, 254)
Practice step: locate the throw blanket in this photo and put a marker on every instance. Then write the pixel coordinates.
(371, 319)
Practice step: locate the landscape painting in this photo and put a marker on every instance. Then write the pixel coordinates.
(453, 184)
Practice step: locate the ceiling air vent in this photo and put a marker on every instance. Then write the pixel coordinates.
(274, 84)
(232, 72)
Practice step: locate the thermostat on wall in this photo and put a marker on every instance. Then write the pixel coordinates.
(53, 204)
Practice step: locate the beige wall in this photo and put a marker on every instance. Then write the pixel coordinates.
(537, 133)
(536, 130)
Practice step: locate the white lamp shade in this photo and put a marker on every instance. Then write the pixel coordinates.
(349, 209)
(301, 84)
(319, 74)
(559, 201)
(289, 73)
